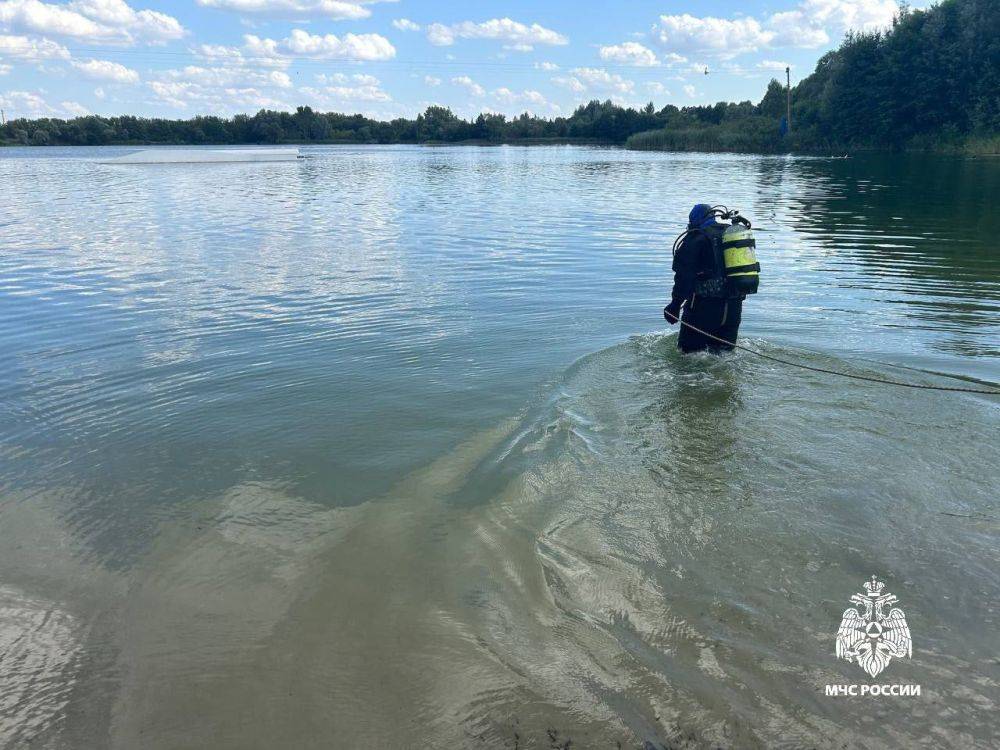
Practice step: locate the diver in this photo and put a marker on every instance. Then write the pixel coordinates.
(715, 268)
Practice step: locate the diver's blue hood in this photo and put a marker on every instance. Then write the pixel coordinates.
(700, 216)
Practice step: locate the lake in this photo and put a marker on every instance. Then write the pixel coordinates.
(392, 447)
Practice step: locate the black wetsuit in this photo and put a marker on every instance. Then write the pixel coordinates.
(719, 317)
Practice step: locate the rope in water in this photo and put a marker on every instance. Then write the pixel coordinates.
(801, 366)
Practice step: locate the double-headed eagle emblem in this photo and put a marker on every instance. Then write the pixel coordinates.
(869, 636)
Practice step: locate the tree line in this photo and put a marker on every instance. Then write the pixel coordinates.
(931, 81)
(596, 121)
(933, 78)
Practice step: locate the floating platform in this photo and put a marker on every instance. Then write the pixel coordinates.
(206, 156)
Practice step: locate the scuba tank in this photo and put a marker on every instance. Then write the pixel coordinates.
(735, 271)
(739, 257)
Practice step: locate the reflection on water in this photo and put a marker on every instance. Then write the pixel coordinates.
(253, 492)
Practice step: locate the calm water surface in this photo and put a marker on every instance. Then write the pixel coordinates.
(391, 447)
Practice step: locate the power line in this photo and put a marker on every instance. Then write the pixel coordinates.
(286, 60)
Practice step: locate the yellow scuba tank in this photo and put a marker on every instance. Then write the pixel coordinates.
(739, 258)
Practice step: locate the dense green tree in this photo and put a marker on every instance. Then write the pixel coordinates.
(775, 101)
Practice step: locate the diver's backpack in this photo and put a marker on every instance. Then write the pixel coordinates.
(736, 272)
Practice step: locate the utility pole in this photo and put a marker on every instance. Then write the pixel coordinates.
(788, 116)
(3, 118)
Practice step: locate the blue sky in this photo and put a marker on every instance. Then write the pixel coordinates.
(389, 58)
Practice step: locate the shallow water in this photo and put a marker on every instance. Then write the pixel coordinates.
(391, 448)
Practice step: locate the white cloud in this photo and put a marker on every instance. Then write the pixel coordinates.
(528, 97)
(549, 66)
(657, 88)
(689, 90)
(181, 94)
(218, 52)
(5, 69)
(735, 69)
(405, 24)
(254, 55)
(813, 21)
(32, 104)
(630, 53)
(793, 29)
(505, 95)
(279, 53)
(74, 109)
(96, 21)
(100, 93)
(44, 18)
(573, 83)
(138, 25)
(865, 15)
(585, 79)
(227, 86)
(718, 36)
(775, 65)
(279, 79)
(172, 93)
(335, 10)
(339, 79)
(432, 80)
(467, 83)
(222, 77)
(343, 88)
(105, 70)
(262, 51)
(24, 48)
(511, 102)
(600, 78)
(24, 104)
(517, 35)
(326, 47)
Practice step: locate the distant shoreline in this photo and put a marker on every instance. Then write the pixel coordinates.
(300, 144)
(983, 147)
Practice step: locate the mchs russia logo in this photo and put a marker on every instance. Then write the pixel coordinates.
(872, 633)
(868, 635)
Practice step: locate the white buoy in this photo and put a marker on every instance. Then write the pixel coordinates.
(206, 156)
